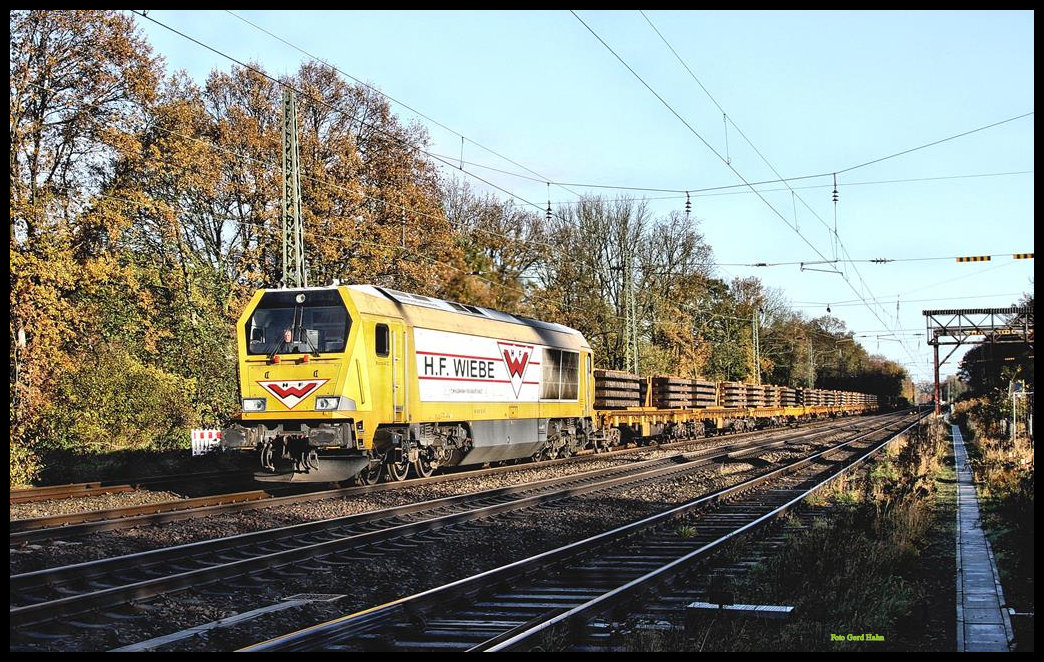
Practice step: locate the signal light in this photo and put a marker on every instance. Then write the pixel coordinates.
(305, 358)
(275, 358)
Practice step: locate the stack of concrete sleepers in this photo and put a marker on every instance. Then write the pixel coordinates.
(704, 394)
(755, 395)
(672, 392)
(772, 395)
(616, 390)
(733, 395)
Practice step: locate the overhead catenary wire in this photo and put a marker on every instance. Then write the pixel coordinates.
(842, 304)
(729, 165)
(835, 238)
(503, 190)
(873, 260)
(743, 189)
(413, 110)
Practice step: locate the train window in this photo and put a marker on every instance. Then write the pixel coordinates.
(281, 324)
(549, 374)
(570, 368)
(559, 375)
(380, 339)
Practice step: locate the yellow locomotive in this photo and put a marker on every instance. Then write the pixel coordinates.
(363, 381)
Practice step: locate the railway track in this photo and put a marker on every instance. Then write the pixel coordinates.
(76, 490)
(57, 596)
(555, 596)
(72, 490)
(64, 526)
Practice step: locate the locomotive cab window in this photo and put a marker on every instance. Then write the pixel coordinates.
(309, 322)
(559, 374)
(380, 339)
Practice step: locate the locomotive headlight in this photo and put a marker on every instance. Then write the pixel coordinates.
(326, 404)
(330, 403)
(253, 404)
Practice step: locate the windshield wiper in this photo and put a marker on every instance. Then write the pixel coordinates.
(315, 350)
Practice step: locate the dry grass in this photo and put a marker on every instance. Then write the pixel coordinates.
(874, 562)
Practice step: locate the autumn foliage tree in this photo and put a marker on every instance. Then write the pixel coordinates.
(80, 84)
(145, 210)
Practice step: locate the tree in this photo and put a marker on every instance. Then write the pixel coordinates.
(79, 82)
(502, 246)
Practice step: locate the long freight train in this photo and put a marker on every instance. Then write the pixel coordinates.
(367, 382)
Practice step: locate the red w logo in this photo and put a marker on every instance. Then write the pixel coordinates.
(295, 391)
(291, 393)
(516, 363)
(516, 358)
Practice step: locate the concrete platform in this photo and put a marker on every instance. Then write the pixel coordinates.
(983, 624)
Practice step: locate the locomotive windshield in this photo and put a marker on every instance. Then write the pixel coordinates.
(309, 322)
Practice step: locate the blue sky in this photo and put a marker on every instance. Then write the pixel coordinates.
(813, 92)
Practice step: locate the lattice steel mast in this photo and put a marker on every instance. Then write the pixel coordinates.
(294, 272)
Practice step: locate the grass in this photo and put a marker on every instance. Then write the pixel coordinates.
(876, 556)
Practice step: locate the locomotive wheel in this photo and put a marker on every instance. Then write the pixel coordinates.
(266, 457)
(398, 470)
(423, 467)
(370, 474)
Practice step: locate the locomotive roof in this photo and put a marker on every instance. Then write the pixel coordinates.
(468, 318)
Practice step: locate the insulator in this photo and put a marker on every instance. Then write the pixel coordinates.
(688, 204)
(549, 210)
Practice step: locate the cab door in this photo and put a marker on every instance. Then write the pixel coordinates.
(586, 380)
(400, 371)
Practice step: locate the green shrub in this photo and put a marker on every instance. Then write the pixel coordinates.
(114, 402)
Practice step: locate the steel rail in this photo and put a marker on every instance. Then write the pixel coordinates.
(92, 488)
(560, 488)
(628, 591)
(79, 524)
(396, 611)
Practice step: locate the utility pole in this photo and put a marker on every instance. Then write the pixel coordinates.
(935, 393)
(294, 273)
(634, 313)
(630, 313)
(1014, 420)
(811, 366)
(756, 323)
